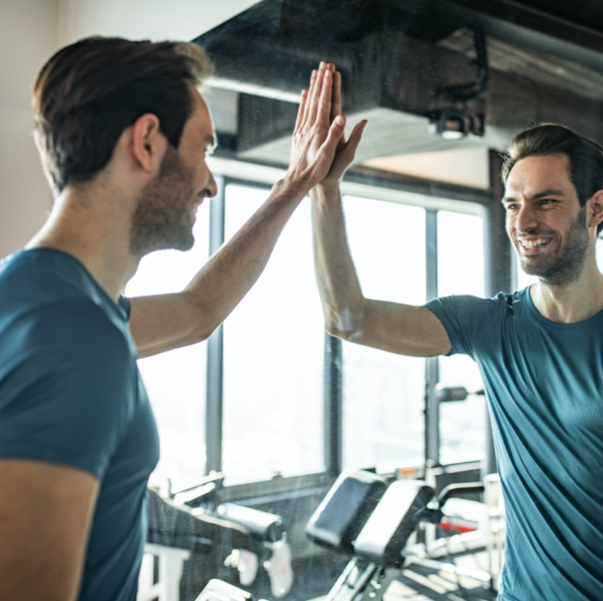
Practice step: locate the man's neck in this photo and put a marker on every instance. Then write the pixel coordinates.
(94, 230)
(572, 302)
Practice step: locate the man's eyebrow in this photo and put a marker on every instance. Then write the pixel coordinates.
(542, 194)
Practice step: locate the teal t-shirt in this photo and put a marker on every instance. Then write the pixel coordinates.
(544, 383)
(71, 394)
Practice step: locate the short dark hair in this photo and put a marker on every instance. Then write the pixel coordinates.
(89, 92)
(585, 156)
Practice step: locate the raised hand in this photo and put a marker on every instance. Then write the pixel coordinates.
(346, 151)
(317, 133)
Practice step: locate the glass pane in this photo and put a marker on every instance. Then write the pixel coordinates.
(599, 254)
(175, 380)
(461, 271)
(460, 254)
(462, 423)
(383, 393)
(273, 357)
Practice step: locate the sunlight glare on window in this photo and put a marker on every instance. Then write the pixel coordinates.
(175, 380)
(383, 393)
(461, 271)
(273, 357)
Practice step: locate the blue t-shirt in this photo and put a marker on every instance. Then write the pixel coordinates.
(71, 394)
(544, 382)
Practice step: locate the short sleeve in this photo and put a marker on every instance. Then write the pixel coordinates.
(464, 318)
(63, 389)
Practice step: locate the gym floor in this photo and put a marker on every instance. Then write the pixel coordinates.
(415, 583)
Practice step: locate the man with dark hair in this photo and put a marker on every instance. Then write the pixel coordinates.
(539, 350)
(123, 133)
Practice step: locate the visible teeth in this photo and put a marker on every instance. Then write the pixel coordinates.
(533, 243)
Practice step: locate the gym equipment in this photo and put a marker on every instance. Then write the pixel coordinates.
(232, 535)
(372, 521)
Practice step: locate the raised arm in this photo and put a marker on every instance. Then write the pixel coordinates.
(160, 323)
(402, 329)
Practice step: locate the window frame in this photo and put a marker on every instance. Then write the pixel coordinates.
(359, 181)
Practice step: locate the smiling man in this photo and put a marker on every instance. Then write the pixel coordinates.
(539, 350)
(123, 133)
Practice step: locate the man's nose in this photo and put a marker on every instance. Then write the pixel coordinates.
(212, 186)
(525, 219)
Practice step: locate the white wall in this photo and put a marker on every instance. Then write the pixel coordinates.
(28, 35)
(144, 19)
(32, 30)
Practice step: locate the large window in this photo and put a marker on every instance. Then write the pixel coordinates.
(383, 393)
(273, 357)
(175, 380)
(461, 271)
(273, 362)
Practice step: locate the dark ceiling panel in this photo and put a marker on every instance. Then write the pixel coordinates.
(398, 58)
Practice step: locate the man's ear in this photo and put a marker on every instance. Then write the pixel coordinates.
(595, 215)
(148, 143)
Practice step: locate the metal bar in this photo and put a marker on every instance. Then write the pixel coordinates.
(432, 375)
(425, 187)
(215, 348)
(340, 584)
(521, 15)
(333, 379)
(498, 268)
(386, 179)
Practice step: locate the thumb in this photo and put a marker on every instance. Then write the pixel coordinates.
(335, 132)
(355, 137)
(356, 134)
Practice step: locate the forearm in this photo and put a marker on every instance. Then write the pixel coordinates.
(233, 270)
(340, 292)
(164, 322)
(161, 323)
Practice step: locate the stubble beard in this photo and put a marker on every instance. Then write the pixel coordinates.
(162, 217)
(565, 267)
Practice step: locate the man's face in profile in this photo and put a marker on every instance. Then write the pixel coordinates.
(165, 212)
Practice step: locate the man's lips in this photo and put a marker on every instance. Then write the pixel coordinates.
(533, 244)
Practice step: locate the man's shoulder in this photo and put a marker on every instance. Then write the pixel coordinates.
(475, 306)
(50, 294)
(57, 324)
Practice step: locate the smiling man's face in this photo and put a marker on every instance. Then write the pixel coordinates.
(545, 221)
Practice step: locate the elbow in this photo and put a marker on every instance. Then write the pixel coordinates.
(201, 333)
(344, 325)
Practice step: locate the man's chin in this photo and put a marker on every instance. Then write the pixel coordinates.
(185, 241)
(185, 245)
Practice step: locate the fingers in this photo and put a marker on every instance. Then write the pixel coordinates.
(315, 97)
(335, 132)
(303, 114)
(336, 96)
(301, 111)
(323, 115)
